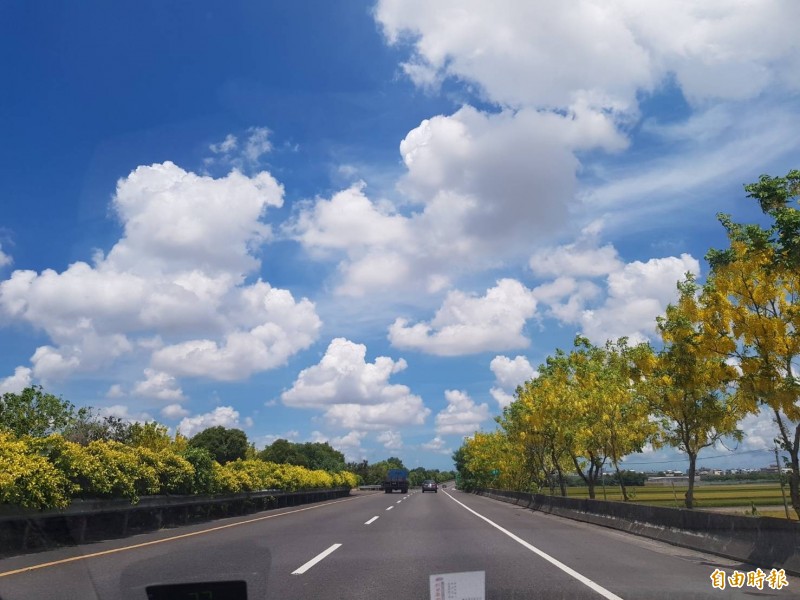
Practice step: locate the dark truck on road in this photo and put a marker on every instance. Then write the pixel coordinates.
(396, 479)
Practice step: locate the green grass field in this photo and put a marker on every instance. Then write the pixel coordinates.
(706, 496)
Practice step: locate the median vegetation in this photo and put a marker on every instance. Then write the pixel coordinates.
(730, 347)
(51, 453)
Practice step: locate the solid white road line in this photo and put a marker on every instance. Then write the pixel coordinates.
(390, 508)
(569, 571)
(315, 560)
(372, 520)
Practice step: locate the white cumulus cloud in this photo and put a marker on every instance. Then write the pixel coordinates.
(225, 416)
(468, 324)
(509, 373)
(608, 50)
(479, 187)
(17, 382)
(438, 445)
(5, 259)
(158, 385)
(174, 411)
(637, 294)
(461, 416)
(172, 290)
(625, 302)
(391, 440)
(356, 394)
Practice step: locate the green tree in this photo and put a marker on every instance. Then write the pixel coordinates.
(417, 476)
(312, 455)
(34, 412)
(360, 469)
(203, 464)
(88, 426)
(281, 452)
(224, 445)
(321, 455)
(395, 463)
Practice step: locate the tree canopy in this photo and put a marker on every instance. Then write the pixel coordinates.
(34, 412)
(223, 444)
(313, 455)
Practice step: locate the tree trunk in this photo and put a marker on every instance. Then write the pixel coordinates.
(561, 481)
(587, 479)
(794, 476)
(690, 491)
(621, 483)
(792, 447)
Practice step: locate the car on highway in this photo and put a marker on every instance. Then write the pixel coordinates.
(429, 485)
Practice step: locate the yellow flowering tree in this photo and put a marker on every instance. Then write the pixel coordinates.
(753, 297)
(689, 382)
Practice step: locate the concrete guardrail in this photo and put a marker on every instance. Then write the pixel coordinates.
(765, 542)
(86, 520)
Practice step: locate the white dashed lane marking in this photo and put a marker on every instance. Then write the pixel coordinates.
(316, 559)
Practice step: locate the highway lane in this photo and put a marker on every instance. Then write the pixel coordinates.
(384, 545)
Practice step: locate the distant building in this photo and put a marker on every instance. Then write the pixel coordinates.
(773, 468)
(670, 480)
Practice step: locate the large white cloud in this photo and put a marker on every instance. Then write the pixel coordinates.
(173, 287)
(565, 78)
(461, 416)
(17, 382)
(637, 294)
(480, 185)
(177, 221)
(467, 324)
(607, 50)
(509, 373)
(627, 301)
(354, 393)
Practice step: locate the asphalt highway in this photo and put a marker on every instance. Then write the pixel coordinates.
(375, 545)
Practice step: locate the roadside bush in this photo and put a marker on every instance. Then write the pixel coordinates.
(105, 469)
(203, 478)
(175, 474)
(28, 479)
(47, 472)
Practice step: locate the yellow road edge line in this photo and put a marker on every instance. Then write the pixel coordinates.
(169, 539)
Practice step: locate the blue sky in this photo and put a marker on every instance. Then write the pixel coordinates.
(367, 222)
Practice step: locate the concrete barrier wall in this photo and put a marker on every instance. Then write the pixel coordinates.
(93, 520)
(760, 541)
